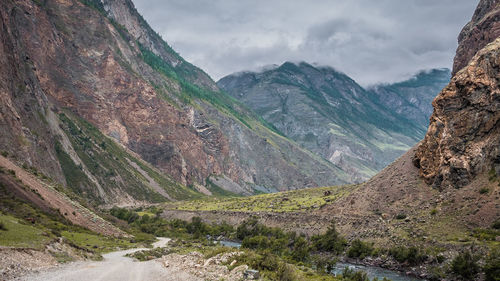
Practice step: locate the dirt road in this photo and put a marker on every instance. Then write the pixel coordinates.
(114, 267)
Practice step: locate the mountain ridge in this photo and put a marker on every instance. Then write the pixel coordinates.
(328, 113)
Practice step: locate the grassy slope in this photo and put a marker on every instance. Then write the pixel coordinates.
(21, 234)
(301, 200)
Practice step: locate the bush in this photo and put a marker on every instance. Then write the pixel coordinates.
(484, 190)
(491, 267)
(331, 241)
(351, 275)
(465, 265)
(359, 249)
(434, 212)
(496, 225)
(410, 255)
(285, 273)
(400, 216)
(2, 226)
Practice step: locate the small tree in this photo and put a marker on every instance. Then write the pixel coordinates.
(331, 241)
(465, 265)
(492, 266)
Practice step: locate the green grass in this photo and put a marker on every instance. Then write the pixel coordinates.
(98, 243)
(21, 234)
(291, 201)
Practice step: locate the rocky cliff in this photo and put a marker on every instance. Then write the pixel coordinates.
(330, 114)
(89, 91)
(464, 134)
(481, 30)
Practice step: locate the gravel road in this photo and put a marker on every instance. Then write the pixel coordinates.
(114, 267)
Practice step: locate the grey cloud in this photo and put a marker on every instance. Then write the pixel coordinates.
(372, 41)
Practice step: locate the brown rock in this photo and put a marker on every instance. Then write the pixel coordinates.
(464, 134)
(481, 30)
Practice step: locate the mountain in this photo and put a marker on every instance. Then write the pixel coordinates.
(413, 98)
(330, 114)
(93, 98)
(481, 30)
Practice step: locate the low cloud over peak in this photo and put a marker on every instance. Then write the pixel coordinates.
(371, 41)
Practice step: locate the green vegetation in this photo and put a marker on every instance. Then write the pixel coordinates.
(28, 226)
(465, 265)
(401, 216)
(17, 233)
(485, 234)
(331, 241)
(301, 200)
(360, 249)
(98, 243)
(496, 224)
(484, 190)
(491, 267)
(411, 255)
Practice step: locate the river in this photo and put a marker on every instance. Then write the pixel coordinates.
(371, 271)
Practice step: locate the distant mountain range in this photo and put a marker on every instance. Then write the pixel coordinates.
(327, 112)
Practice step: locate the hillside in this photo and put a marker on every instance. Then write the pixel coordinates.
(327, 112)
(412, 98)
(95, 99)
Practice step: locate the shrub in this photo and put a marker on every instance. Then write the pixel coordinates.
(4, 153)
(491, 267)
(256, 242)
(434, 212)
(484, 190)
(285, 273)
(410, 255)
(401, 216)
(300, 249)
(351, 275)
(465, 265)
(2, 226)
(496, 225)
(331, 241)
(359, 249)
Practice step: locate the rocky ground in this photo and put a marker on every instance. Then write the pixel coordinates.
(116, 266)
(16, 262)
(196, 267)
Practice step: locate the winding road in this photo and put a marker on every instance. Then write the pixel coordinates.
(114, 267)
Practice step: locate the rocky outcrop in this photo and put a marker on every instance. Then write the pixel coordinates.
(481, 30)
(464, 134)
(330, 114)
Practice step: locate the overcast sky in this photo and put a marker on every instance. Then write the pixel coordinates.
(371, 41)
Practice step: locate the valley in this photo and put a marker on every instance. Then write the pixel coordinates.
(122, 160)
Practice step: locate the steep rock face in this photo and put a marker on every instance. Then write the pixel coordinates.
(464, 134)
(481, 30)
(413, 98)
(328, 113)
(81, 69)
